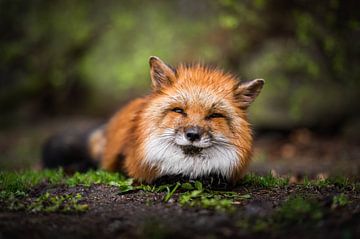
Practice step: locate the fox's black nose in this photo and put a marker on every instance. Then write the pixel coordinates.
(193, 134)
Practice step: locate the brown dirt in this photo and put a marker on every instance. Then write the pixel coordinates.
(145, 215)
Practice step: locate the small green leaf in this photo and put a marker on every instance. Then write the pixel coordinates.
(198, 185)
(187, 186)
(170, 193)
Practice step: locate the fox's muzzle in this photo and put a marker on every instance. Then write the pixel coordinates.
(193, 133)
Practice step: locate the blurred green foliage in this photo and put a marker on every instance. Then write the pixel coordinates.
(88, 57)
(308, 53)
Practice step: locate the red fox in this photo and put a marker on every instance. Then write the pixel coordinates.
(193, 124)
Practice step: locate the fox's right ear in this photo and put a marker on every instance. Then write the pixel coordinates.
(161, 74)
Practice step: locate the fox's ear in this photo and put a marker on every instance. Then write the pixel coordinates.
(161, 74)
(247, 92)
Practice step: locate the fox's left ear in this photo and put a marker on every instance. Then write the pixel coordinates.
(247, 92)
(161, 74)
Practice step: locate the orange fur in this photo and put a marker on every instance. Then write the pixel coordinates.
(197, 90)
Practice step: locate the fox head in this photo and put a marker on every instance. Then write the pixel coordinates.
(196, 121)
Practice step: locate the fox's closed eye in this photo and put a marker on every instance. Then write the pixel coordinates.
(215, 115)
(178, 110)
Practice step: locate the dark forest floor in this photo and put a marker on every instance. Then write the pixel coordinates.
(260, 207)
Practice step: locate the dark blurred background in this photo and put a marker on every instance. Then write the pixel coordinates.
(73, 63)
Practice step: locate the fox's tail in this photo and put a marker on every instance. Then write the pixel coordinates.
(74, 150)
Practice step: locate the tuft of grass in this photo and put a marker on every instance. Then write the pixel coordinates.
(15, 185)
(50, 203)
(18, 183)
(267, 181)
(338, 181)
(170, 193)
(298, 210)
(57, 203)
(339, 200)
(95, 177)
(197, 196)
(335, 181)
(194, 194)
(101, 177)
(202, 199)
(13, 182)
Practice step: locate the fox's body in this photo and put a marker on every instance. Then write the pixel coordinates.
(193, 124)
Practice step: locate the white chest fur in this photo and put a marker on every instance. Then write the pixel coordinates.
(170, 159)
